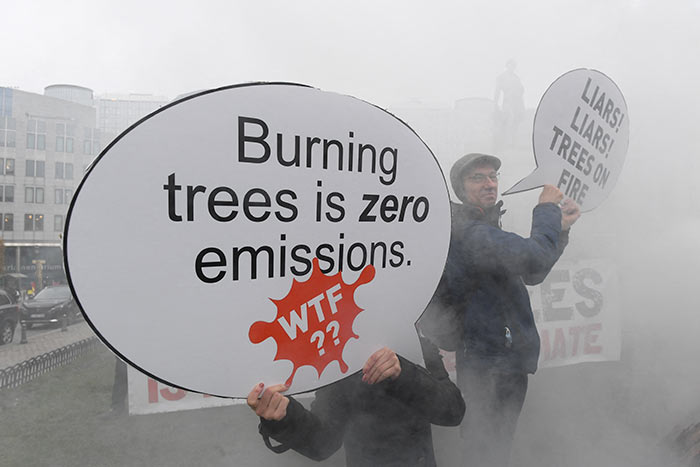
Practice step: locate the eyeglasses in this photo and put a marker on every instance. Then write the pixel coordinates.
(481, 178)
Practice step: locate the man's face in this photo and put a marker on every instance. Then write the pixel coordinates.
(481, 185)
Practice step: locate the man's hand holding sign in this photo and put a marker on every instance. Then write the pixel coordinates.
(570, 211)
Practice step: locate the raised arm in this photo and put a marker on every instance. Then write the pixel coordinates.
(570, 212)
(491, 249)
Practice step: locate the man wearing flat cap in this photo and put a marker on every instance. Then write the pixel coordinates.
(497, 343)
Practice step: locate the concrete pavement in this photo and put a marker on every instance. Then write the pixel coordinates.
(36, 345)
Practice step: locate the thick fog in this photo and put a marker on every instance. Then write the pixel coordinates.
(414, 57)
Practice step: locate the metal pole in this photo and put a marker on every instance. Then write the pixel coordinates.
(23, 339)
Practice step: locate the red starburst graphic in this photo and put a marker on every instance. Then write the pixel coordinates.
(314, 321)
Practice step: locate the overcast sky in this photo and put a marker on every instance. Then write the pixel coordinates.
(384, 52)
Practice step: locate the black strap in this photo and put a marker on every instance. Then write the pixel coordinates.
(277, 449)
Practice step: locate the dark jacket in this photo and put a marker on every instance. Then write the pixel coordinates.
(485, 276)
(382, 424)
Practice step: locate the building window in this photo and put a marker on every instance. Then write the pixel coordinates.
(34, 168)
(61, 196)
(8, 222)
(7, 193)
(58, 223)
(65, 133)
(7, 166)
(8, 132)
(59, 170)
(34, 222)
(34, 194)
(91, 141)
(36, 134)
(5, 102)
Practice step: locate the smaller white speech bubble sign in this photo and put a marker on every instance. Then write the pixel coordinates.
(580, 138)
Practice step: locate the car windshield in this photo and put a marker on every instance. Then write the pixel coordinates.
(53, 293)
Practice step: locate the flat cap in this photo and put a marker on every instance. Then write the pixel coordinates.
(463, 164)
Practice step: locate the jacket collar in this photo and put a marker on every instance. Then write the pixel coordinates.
(490, 215)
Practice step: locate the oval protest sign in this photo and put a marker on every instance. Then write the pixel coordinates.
(580, 138)
(264, 232)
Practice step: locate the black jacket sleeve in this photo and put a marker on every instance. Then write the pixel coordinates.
(538, 277)
(429, 391)
(315, 433)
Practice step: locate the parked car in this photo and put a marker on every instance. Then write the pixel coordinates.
(49, 306)
(9, 315)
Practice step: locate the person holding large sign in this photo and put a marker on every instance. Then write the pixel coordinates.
(382, 414)
(484, 283)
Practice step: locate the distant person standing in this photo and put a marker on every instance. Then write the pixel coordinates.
(510, 105)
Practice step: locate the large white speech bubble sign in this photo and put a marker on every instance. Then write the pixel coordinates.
(191, 240)
(580, 138)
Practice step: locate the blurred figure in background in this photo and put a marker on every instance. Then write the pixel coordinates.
(510, 106)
